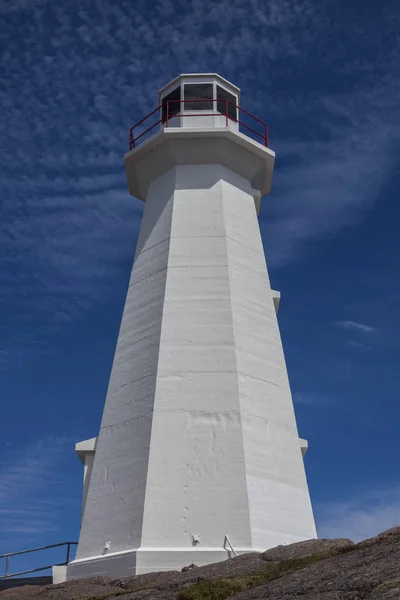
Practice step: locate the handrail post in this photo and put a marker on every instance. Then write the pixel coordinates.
(165, 117)
(7, 557)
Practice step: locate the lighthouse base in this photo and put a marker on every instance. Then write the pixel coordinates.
(147, 560)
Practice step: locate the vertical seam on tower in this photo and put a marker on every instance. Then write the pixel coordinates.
(236, 370)
(158, 357)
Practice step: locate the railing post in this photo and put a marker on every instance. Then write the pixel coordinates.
(6, 571)
(68, 550)
(266, 136)
(166, 120)
(226, 111)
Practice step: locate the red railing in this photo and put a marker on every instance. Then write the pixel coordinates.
(166, 116)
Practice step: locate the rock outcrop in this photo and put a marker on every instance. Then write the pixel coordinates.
(314, 569)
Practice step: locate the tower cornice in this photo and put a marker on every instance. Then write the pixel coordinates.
(174, 146)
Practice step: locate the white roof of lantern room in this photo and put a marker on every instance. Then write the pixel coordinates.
(199, 77)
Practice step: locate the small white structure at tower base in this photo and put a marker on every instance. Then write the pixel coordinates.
(198, 455)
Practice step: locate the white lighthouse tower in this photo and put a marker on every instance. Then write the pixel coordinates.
(198, 455)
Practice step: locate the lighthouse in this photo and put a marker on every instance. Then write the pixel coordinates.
(198, 457)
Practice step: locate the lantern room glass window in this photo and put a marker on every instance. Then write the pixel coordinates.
(193, 92)
(173, 107)
(222, 97)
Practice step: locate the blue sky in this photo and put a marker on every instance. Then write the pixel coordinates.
(73, 78)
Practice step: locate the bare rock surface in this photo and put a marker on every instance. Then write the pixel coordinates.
(314, 569)
(306, 548)
(393, 532)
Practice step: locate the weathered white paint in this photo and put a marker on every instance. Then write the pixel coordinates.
(276, 296)
(198, 439)
(303, 446)
(85, 451)
(59, 574)
(177, 146)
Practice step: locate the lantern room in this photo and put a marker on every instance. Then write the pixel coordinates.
(200, 100)
(199, 120)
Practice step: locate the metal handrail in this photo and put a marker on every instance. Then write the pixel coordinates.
(7, 557)
(168, 116)
(228, 541)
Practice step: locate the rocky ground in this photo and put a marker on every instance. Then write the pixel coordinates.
(315, 570)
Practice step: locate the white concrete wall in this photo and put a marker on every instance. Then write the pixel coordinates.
(194, 119)
(198, 435)
(115, 500)
(85, 451)
(87, 473)
(279, 503)
(59, 574)
(201, 488)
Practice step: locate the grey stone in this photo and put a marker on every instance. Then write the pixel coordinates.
(189, 568)
(314, 570)
(390, 533)
(306, 548)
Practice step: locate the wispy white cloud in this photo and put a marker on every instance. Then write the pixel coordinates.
(355, 326)
(59, 263)
(328, 185)
(313, 399)
(73, 79)
(330, 179)
(9, 6)
(31, 481)
(359, 345)
(358, 518)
